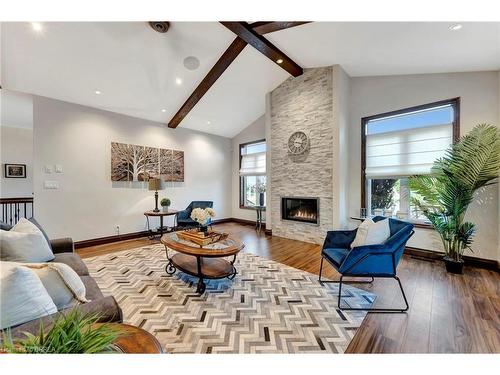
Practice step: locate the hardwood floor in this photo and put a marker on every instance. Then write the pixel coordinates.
(448, 313)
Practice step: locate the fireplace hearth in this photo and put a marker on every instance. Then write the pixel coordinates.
(301, 209)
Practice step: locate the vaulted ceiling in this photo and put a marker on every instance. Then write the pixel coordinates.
(140, 72)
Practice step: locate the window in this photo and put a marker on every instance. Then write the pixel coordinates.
(400, 144)
(252, 173)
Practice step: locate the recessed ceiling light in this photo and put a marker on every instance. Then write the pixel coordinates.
(97, 92)
(164, 110)
(455, 27)
(37, 26)
(208, 122)
(279, 61)
(178, 81)
(191, 63)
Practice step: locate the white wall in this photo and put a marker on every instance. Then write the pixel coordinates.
(479, 93)
(16, 148)
(341, 94)
(253, 132)
(87, 204)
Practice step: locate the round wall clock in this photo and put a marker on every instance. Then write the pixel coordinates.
(298, 143)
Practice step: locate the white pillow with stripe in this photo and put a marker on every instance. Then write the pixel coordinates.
(22, 296)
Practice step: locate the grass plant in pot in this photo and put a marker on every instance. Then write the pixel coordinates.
(165, 204)
(71, 333)
(445, 195)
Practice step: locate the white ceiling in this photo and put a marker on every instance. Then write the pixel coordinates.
(135, 67)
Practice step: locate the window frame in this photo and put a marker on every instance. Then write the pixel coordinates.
(242, 193)
(455, 104)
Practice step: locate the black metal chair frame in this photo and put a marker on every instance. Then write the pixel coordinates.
(372, 276)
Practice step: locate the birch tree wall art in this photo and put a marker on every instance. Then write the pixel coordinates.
(140, 163)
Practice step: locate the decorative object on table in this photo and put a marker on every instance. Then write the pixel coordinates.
(184, 217)
(15, 170)
(203, 216)
(140, 163)
(200, 238)
(204, 262)
(376, 260)
(298, 143)
(155, 185)
(403, 215)
(161, 229)
(260, 189)
(388, 212)
(378, 212)
(73, 332)
(444, 196)
(165, 204)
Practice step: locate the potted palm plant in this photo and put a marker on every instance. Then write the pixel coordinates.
(444, 196)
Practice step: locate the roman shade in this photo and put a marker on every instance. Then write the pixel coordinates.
(253, 164)
(406, 152)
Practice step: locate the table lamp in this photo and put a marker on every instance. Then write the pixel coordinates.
(155, 185)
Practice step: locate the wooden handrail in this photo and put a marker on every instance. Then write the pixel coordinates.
(16, 200)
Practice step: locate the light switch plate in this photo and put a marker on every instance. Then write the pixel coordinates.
(47, 169)
(51, 184)
(59, 168)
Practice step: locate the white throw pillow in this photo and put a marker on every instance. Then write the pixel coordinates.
(61, 282)
(371, 233)
(24, 243)
(22, 296)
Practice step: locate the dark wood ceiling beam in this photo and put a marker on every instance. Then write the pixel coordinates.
(220, 66)
(245, 32)
(266, 27)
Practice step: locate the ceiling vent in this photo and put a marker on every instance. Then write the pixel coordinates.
(160, 26)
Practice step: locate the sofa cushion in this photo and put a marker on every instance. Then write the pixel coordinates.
(336, 255)
(37, 224)
(74, 261)
(106, 309)
(24, 243)
(61, 282)
(92, 289)
(22, 296)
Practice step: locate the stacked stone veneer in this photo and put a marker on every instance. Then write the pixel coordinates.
(303, 103)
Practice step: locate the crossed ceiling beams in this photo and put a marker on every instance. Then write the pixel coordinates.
(246, 34)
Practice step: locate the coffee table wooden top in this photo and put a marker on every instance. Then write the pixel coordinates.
(230, 246)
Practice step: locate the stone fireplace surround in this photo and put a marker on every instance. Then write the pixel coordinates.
(306, 103)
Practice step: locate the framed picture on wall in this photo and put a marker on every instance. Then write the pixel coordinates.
(15, 170)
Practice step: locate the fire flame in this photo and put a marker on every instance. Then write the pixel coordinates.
(303, 214)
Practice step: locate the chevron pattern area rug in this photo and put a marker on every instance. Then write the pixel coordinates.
(267, 308)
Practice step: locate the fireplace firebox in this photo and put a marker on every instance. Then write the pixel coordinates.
(300, 209)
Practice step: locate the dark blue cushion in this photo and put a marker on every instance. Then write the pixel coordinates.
(336, 255)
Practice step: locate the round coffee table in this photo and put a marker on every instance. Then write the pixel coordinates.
(204, 262)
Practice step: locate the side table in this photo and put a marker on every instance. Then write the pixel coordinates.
(259, 210)
(161, 215)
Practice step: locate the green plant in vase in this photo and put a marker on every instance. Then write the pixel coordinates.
(445, 195)
(165, 204)
(73, 332)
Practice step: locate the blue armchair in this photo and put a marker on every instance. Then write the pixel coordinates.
(184, 216)
(367, 261)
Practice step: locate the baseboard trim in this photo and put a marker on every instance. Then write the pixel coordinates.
(469, 261)
(110, 239)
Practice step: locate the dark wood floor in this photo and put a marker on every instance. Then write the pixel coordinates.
(448, 313)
